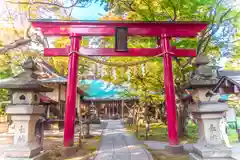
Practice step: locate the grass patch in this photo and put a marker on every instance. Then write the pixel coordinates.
(232, 135)
(165, 155)
(159, 132)
(86, 151)
(159, 155)
(96, 138)
(91, 148)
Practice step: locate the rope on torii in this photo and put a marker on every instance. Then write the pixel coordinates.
(119, 64)
(114, 64)
(114, 73)
(128, 74)
(143, 69)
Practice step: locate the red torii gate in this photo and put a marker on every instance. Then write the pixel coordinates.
(76, 29)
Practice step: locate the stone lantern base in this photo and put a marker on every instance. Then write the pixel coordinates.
(201, 152)
(27, 151)
(41, 156)
(210, 145)
(25, 143)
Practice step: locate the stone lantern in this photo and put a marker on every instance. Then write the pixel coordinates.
(208, 112)
(24, 111)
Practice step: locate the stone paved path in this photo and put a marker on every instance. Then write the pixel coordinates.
(117, 144)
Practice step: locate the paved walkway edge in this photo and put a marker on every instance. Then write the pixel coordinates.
(117, 144)
(104, 125)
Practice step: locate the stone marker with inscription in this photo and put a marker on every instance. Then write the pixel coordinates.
(24, 111)
(208, 112)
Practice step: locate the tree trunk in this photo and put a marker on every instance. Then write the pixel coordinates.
(137, 119)
(147, 119)
(88, 128)
(157, 113)
(162, 114)
(134, 114)
(80, 124)
(182, 116)
(88, 122)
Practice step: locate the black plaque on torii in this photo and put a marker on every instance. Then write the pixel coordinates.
(121, 39)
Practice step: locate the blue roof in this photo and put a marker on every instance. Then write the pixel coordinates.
(54, 80)
(224, 97)
(100, 89)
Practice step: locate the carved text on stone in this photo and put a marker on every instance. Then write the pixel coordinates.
(21, 137)
(213, 132)
(22, 129)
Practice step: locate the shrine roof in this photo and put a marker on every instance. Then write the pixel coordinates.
(229, 97)
(231, 76)
(99, 90)
(45, 70)
(59, 79)
(228, 73)
(235, 80)
(62, 80)
(48, 74)
(46, 99)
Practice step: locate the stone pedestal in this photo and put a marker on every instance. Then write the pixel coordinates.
(210, 145)
(24, 117)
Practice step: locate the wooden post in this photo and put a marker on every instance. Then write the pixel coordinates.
(169, 92)
(71, 93)
(109, 110)
(122, 110)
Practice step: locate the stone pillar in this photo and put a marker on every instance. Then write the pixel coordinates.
(122, 103)
(25, 112)
(117, 105)
(105, 109)
(109, 111)
(48, 111)
(113, 109)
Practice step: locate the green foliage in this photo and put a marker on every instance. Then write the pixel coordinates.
(4, 92)
(213, 11)
(236, 105)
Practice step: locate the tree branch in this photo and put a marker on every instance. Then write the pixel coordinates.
(167, 13)
(206, 37)
(15, 44)
(174, 11)
(150, 10)
(47, 3)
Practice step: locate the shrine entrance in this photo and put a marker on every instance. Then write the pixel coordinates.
(121, 30)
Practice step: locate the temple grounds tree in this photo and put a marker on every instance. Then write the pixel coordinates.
(213, 42)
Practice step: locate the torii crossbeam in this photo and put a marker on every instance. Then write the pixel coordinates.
(164, 30)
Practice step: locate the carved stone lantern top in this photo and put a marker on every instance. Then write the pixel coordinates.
(201, 60)
(25, 80)
(203, 75)
(202, 82)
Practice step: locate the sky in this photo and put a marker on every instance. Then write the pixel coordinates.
(90, 13)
